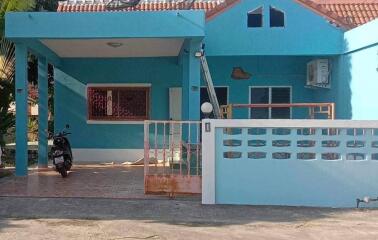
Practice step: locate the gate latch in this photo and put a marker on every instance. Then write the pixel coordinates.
(207, 127)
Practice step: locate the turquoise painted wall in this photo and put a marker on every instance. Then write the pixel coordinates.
(266, 71)
(355, 75)
(71, 105)
(162, 73)
(360, 63)
(340, 90)
(364, 83)
(305, 32)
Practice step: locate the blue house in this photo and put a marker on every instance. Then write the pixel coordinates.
(116, 67)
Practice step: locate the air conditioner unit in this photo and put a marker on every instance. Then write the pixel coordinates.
(318, 73)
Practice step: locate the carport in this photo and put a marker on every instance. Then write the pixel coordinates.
(52, 37)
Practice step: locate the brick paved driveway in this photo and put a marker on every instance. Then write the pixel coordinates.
(102, 181)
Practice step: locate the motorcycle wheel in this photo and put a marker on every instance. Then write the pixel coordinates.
(68, 166)
(63, 172)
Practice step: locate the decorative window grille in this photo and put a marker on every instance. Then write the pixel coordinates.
(118, 103)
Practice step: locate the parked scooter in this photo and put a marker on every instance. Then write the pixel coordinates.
(61, 152)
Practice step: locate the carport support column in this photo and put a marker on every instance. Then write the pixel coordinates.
(191, 80)
(42, 112)
(21, 110)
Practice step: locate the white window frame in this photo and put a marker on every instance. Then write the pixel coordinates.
(270, 98)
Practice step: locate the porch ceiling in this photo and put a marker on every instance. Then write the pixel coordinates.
(57, 35)
(106, 48)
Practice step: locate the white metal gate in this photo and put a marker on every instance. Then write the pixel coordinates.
(172, 157)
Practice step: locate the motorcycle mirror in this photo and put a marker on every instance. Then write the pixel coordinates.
(67, 126)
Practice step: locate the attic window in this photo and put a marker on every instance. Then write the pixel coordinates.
(255, 18)
(277, 17)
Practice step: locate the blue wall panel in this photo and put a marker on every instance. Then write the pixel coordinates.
(305, 32)
(266, 71)
(355, 75)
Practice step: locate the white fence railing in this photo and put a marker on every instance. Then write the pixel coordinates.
(246, 141)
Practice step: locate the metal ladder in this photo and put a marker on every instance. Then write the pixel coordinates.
(209, 85)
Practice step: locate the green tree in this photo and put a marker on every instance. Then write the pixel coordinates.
(7, 63)
(46, 5)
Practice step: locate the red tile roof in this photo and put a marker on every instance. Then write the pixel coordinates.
(355, 12)
(343, 13)
(211, 7)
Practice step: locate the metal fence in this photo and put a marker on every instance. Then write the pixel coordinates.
(172, 157)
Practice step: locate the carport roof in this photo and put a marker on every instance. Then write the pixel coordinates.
(99, 25)
(51, 34)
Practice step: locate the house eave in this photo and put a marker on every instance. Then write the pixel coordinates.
(167, 24)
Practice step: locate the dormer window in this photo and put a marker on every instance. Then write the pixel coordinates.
(277, 17)
(255, 18)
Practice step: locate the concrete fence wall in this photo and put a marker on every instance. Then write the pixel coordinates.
(289, 162)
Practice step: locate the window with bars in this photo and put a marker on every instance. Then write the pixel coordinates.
(118, 103)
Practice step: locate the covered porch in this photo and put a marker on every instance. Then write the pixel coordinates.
(95, 54)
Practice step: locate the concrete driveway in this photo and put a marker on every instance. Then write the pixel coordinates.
(92, 218)
(99, 181)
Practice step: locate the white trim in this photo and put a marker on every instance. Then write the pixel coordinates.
(141, 122)
(99, 155)
(257, 8)
(291, 123)
(270, 98)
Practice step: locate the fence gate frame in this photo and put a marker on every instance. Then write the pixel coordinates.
(167, 172)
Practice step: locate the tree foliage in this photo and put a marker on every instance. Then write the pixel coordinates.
(13, 6)
(46, 5)
(7, 63)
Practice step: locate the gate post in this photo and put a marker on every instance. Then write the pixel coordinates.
(208, 161)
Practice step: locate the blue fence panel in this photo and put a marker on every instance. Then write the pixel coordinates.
(327, 167)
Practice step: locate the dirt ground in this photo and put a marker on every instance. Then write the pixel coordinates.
(91, 218)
